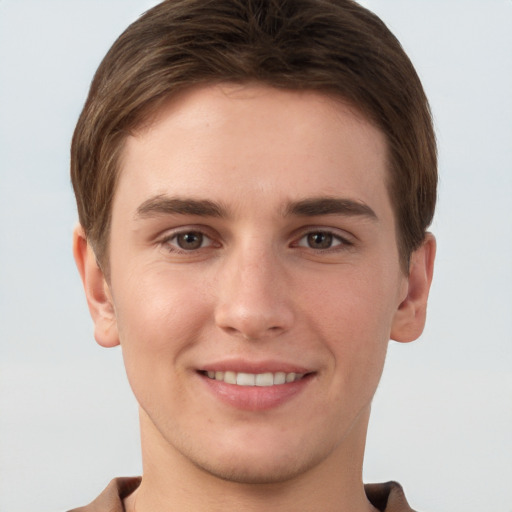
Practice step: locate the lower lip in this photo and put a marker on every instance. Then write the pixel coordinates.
(255, 398)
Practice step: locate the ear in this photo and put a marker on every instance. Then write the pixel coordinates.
(96, 290)
(409, 319)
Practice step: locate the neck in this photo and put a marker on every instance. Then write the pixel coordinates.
(170, 480)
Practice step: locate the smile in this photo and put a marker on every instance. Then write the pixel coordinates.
(255, 379)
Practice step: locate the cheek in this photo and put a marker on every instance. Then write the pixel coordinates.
(353, 305)
(353, 316)
(158, 322)
(158, 317)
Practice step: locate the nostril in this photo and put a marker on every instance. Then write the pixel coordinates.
(253, 320)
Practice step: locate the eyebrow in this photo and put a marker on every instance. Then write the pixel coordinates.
(329, 206)
(162, 204)
(311, 207)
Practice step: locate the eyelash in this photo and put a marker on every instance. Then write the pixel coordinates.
(340, 243)
(174, 248)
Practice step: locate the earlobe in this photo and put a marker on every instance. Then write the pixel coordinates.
(96, 290)
(410, 316)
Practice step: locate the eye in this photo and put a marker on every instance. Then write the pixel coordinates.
(321, 240)
(189, 241)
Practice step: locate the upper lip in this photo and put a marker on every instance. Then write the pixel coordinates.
(256, 367)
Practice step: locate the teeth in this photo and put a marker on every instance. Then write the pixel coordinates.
(279, 378)
(264, 379)
(255, 379)
(245, 379)
(229, 377)
(290, 377)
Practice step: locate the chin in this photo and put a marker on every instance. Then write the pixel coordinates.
(263, 474)
(259, 465)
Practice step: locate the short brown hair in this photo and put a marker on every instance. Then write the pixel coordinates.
(331, 46)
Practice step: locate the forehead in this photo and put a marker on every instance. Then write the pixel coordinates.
(255, 141)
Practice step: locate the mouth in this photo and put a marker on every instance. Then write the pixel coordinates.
(265, 379)
(255, 386)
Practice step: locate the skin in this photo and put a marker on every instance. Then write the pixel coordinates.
(260, 279)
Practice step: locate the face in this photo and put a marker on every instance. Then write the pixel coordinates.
(255, 278)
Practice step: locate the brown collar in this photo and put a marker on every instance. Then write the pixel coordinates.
(387, 497)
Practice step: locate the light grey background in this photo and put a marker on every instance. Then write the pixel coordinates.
(442, 419)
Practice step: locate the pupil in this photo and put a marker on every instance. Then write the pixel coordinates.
(320, 240)
(190, 240)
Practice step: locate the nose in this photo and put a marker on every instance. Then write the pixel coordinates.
(253, 296)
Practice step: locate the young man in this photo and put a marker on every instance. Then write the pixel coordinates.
(254, 181)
